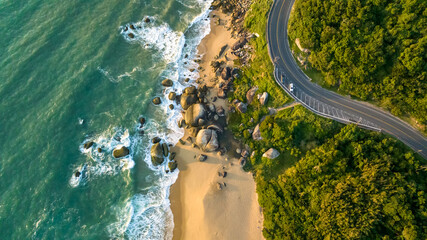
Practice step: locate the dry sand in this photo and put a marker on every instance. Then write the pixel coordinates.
(200, 209)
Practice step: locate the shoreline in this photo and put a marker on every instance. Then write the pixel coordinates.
(214, 199)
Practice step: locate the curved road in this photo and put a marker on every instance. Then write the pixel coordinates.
(280, 53)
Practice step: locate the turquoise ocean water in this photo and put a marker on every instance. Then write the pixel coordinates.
(69, 73)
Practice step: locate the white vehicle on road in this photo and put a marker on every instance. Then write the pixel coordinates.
(291, 87)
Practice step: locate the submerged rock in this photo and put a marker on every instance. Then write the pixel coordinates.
(157, 154)
(121, 152)
(155, 140)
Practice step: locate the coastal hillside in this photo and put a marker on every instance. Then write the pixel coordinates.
(372, 50)
(316, 178)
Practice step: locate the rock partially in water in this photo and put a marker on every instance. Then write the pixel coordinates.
(167, 83)
(131, 35)
(156, 101)
(121, 152)
(172, 96)
(155, 140)
(157, 154)
(88, 145)
(172, 165)
(141, 121)
(165, 149)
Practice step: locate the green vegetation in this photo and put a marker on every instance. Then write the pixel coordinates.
(373, 50)
(330, 181)
(357, 185)
(260, 71)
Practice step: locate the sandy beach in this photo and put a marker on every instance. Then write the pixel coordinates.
(214, 199)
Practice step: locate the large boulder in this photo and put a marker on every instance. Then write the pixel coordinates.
(207, 140)
(190, 90)
(251, 93)
(167, 83)
(188, 99)
(263, 98)
(271, 153)
(194, 113)
(157, 154)
(120, 152)
(256, 135)
(165, 149)
(242, 107)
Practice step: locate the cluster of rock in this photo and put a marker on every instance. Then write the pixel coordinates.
(237, 9)
(129, 29)
(202, 119)
(226, 77)
(160, 152)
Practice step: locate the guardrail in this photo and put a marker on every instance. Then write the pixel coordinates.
(342, 120)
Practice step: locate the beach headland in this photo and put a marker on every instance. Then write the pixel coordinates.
(213, 198)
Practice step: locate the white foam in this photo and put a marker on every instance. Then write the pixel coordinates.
(147, 215)
(154, 35)
(103, 163)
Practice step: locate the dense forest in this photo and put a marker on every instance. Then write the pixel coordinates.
(373, 50)
(330, 181)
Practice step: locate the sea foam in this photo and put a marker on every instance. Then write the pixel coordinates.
(147, 215)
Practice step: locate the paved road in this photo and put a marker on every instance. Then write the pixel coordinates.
(322, 101)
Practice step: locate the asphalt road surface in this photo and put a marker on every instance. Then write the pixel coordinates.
(286, 67)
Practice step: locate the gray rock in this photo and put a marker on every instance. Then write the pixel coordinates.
(242, 107)
(172, 156)
(251, 94)
(256, 135)
(271, 153)
(202, 158)
(207, 140)
(120, 152)
(263, 98)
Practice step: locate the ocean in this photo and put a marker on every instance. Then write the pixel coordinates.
(77, 71)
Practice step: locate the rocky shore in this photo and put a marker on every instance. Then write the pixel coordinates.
(211, 184)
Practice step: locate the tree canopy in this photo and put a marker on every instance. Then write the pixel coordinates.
(374, 50)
